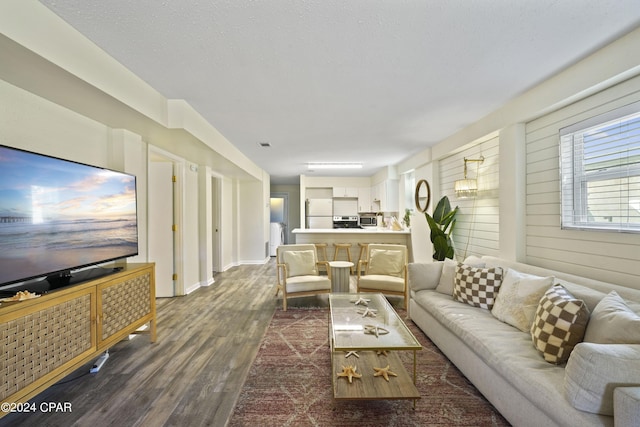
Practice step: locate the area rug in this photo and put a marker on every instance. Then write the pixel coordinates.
(289, 384)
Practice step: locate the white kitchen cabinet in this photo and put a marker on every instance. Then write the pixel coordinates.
(348, 192)
(384, 196)
(364, 200)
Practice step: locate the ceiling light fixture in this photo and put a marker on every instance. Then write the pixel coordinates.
(314, 166)
(465, 188)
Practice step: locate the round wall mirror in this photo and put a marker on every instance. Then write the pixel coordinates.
(423, 195)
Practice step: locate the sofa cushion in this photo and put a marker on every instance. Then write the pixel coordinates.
(425, 275)
(518, 298)
(613, 322)
(300, 263)
(504, 348)
(382, 283)
(477, 287)
(595, 370)
(445, 286)
(559, 324)
(626, 405)
(386, 262)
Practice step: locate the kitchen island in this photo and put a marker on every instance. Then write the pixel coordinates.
(353, 236)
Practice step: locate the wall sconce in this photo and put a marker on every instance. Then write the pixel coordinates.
(465, 188)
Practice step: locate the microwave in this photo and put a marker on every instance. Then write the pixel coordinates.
(368, 221)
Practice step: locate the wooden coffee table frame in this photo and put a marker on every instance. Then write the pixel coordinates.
(349, 336)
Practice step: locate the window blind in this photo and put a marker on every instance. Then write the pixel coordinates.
(600, 173)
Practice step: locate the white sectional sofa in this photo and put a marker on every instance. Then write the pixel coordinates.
(599, 385)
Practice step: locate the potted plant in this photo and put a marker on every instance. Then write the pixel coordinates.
(407, 218)
(442, 224)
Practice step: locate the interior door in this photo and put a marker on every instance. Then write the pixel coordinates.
(161, 220)
(215, 225)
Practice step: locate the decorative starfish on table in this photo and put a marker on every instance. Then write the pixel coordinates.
(352, 353)
(384, 372)
(382, 352)
(350, 373)
(375, 330)
(362, 301)
(368, 312)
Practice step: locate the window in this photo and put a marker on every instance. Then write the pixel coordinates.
(409, 190)
(600, 172)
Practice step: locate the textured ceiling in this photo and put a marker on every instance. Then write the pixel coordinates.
(374, 81)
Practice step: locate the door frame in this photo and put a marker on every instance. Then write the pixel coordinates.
(178, 212)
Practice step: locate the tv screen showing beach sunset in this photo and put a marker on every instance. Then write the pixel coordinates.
(59, 215)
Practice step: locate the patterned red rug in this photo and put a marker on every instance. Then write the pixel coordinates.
(289, 384)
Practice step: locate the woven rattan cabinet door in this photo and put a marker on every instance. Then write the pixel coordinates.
(124, 305)
(43, 339)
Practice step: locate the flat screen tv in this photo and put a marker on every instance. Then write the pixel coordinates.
(58, 217)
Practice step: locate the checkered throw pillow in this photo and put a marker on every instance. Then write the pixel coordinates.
(477, 286)
(559, 324)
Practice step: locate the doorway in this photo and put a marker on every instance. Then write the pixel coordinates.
(164, 221)
(279, 208)
(216, 194)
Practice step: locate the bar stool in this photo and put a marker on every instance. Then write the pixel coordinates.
(321, 248)
(363, 252)
(346, 247)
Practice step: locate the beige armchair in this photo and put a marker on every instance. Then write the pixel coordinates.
(298, 274)
(385, 271)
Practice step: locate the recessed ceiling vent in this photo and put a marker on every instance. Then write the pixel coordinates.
(264, 144)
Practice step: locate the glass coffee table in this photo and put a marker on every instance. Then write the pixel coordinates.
(365, 334)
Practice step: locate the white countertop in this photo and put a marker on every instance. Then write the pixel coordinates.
(371, 230)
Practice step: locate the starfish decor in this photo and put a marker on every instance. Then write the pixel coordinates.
(382, 352)
(350, 373)
(352, 353)
(368, 312)
(362, 301)
(384, 372)
(375, 330)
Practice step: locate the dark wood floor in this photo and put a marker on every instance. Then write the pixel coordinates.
(191, 376)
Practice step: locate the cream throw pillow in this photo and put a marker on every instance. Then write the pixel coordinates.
(518, 298)
(386, 262)
(300, 263)
(613, 322)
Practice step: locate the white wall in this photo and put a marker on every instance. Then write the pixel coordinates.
(612, 257)
(32, 123)
(190, 232)
(252, 232)
(205, 225)
(421, 246)
(229, 225)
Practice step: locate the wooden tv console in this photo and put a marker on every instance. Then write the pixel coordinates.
(44, 339)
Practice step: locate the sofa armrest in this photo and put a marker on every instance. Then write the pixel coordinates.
(626, 406)
(424, 275)
(594, 371)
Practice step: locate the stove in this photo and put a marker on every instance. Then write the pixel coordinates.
(345, 222)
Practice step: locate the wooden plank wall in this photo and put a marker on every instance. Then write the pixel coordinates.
(477, 228)
(611, 257)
